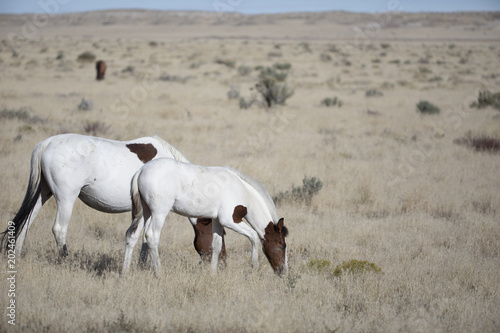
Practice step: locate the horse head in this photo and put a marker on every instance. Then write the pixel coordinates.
(274, 245)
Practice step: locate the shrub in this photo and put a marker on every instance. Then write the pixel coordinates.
(129, 69)
(304, 193)
(306, 47)
(325, 57)
(373, 92)
(424, 70)
(270, 86)
(85, 105)
(244, 104)
(233, 93)
(20, 114)
(319, 265)
(244, 70)
(86, 57)
(272, 92)
(356, 267)
(483, 143)
(282, 66)
(427, 107)
(487, 98)
(333, 48)
(226, 62)
(273, 73)
(175, 78)
(331, 102)
(275, 54)
(346, 62)
(96, 128)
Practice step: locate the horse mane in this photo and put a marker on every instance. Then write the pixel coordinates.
(175, 153)
(256, 185)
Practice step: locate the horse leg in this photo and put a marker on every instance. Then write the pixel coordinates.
(152, 234)
(217, 241)
(132, 236)
(63, 215)
(245, 230)
(143, 256)
(44, 196)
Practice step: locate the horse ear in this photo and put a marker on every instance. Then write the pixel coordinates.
(269, 229)
(281, 222)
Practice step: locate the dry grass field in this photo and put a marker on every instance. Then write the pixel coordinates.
(398, 191)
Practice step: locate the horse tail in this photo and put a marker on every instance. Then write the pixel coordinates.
(137, 210)
(30, 198)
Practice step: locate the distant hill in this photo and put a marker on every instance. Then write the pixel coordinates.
(320, 25)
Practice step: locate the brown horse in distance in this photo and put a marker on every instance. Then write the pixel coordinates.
(100, 67)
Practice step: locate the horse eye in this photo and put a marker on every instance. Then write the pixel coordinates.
(283, 247)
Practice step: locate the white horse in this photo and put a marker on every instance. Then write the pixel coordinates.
(223, 194)
(99, 172)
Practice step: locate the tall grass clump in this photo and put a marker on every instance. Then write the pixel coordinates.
(426, 107)
(303, 194)
(481, 143)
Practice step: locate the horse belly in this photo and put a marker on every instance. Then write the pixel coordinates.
(107, 199)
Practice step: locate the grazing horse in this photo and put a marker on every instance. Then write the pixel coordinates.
(100, 67)
(223, 194)
(99, 172)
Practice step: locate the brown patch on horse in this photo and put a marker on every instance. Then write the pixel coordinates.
(275, 246)
(100, 67)
(239, 213)
(145, 151)
(203, 241)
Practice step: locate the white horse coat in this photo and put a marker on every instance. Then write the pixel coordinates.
(96, 170)
(222, 194)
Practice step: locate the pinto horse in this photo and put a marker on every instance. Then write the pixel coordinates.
(223, 194)
(100, 67)
(99, 172)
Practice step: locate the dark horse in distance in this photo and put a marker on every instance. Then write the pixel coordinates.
(100, 67)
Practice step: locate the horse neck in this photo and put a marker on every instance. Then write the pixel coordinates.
(259, 215)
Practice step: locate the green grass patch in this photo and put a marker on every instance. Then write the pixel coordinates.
(356, 267)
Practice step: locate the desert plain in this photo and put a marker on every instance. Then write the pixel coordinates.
(389, 186)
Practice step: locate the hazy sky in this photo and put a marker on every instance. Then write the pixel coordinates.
(250, 6)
